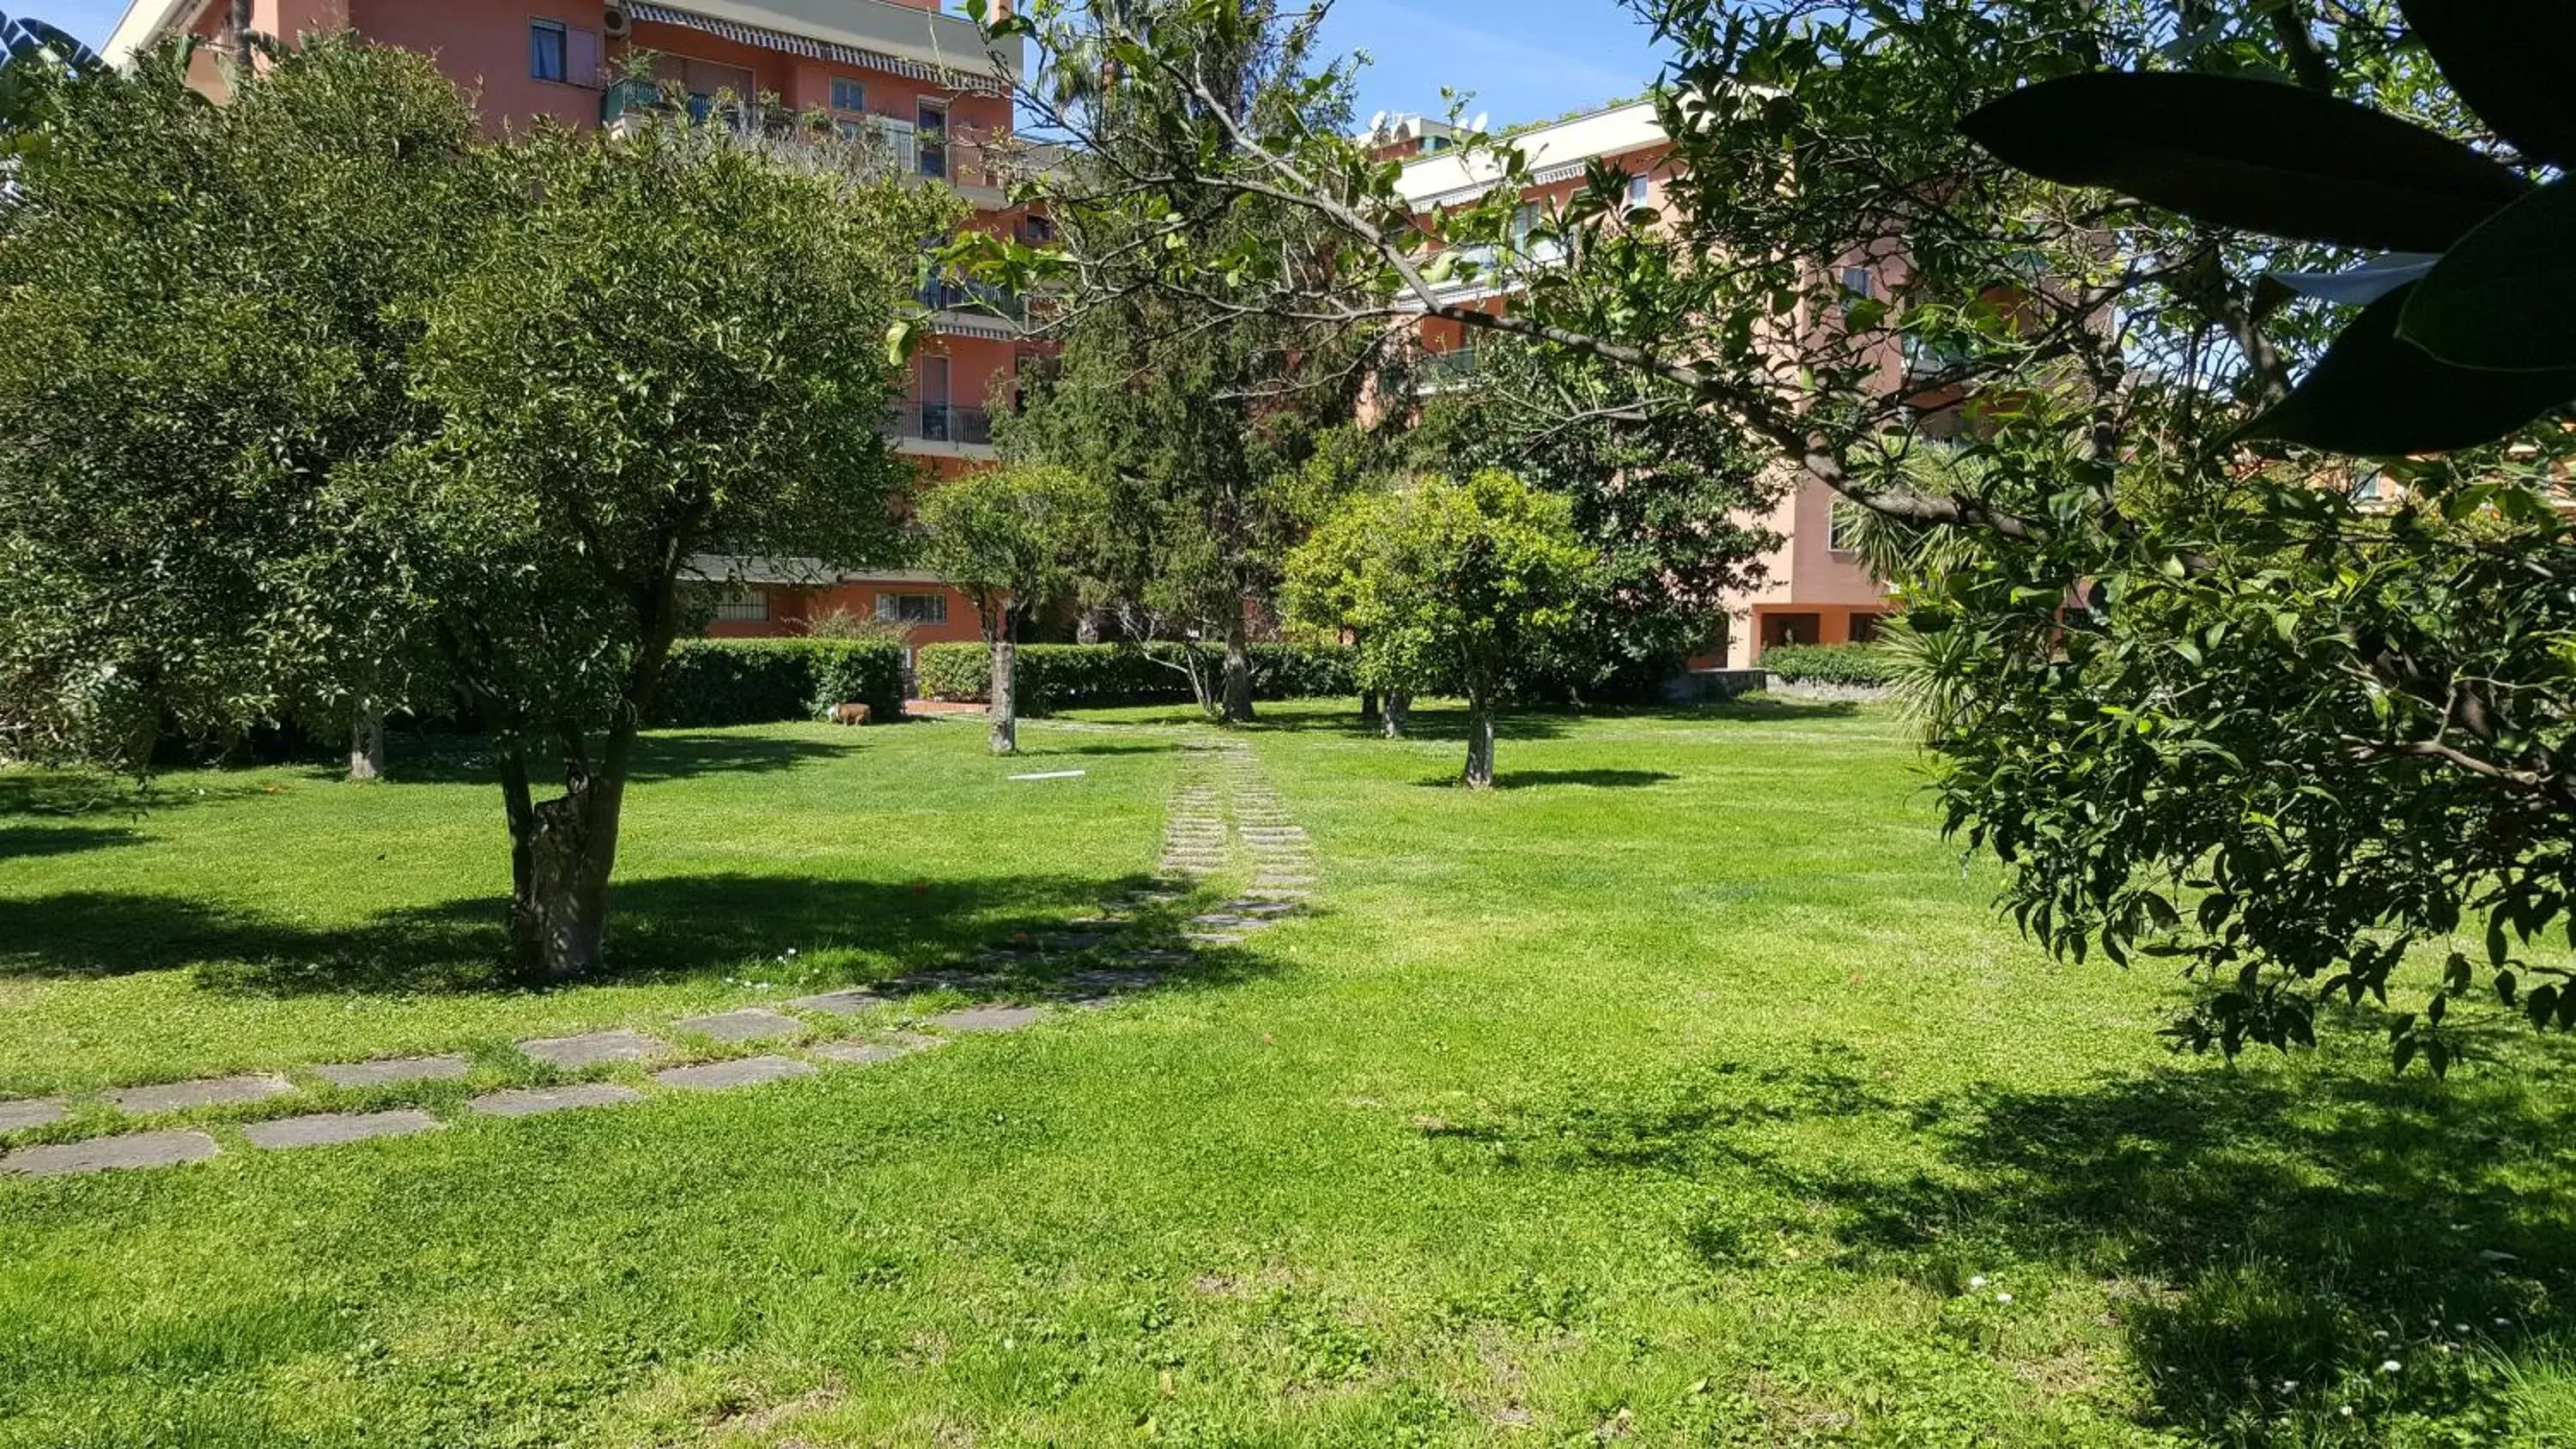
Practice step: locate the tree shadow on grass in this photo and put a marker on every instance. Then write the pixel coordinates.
(433, 759)
(2270, 1229)
(1509, 779)
(27, 842)
(659, 929)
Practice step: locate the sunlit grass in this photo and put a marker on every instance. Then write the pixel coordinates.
(1686, 1090)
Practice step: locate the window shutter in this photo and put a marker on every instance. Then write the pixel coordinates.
(584, 61)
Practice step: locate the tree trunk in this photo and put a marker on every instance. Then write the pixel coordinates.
(1004, 711)
(1238, 670)
(367, 746)
(1480, 744)
(1086, 627)
(559, 919)
(1397, 714)
(1368, 707)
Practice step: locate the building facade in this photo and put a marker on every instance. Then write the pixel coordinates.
(923, 83)
(1814, 589)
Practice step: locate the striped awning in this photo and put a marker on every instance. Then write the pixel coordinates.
(832, 50)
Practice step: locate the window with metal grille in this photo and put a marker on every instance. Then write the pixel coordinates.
(743, 606)
(912, 608)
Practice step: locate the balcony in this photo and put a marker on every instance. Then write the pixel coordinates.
(627, 101)
(1440, 371)
(981, 299)
(940, 427)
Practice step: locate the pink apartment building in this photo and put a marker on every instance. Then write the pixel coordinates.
(923, 82)
(1814, 589)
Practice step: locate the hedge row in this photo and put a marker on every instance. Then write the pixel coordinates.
(1065, 676)
(759, 681)
(1865, 665)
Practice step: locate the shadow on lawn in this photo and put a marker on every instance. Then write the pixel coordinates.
(26, 842)
(659, 928)
(1506, 778)
(430, 759)
(2264, 1229)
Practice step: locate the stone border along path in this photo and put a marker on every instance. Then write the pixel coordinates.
(1197, 842)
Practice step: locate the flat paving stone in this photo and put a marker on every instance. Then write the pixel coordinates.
(986, 1018)
(29, 1112)
(1213, 938)
(1260, 908)
(529, 1101)
(1225, 921)
(920, 981)
(205, 1092)
(593, 1048)
(106, 1154)
(745, 1072)
(394, 1069)
(849, 1002)
(751, 1023)
(1157, 958)
(330, 1129)
(874, 1053)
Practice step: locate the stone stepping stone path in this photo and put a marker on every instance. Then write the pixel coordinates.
(751, 1023)
(531, 1101)
(1221, 804)
(208, 1092)
(593, 1049)
(107, 1154)
(389, 1070)
(741, 1072)
(29, 1112)
(330, 1129)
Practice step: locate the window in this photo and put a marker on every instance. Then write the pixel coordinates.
(1037, 231)
(743, 606)
(1864, 628)
(912, 608)
(931, 129)
(1856, 283)
(1842, 534)
(1639, 185)
(848, 95)
(549, 51)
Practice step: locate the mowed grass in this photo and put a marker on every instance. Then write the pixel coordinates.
(1686, 1090)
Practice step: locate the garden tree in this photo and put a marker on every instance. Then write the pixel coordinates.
(313, 380)
(1196, 428)
(668, 346)
(1668, 498)
(1468, 584)
(1010, 538)
(207, 314)
(2283, 734)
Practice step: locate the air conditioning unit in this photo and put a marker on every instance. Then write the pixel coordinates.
(618, 24)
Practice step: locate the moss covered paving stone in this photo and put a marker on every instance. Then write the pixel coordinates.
(106, 1154)
(593, 1049)
(204, 1092)
(388, 1071)
(330, 1129)
(750, 1023)
(29, 1112)
(533, 1101)
(978, 1019)
(740, 1072)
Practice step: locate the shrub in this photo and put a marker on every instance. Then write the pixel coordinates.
(761, 681)
(1065, 676)
(1860, 665)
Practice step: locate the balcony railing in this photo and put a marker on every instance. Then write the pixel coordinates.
(1439, 370)
(940, 423)
(635, 97)
(942, 295)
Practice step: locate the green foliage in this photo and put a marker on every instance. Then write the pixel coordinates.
(762, 681)
(1468, 582)
(1068, 676)
(1010, 537)
(1862, 665)
(2472, 353)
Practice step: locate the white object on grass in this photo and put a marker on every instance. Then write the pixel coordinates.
(1053, 775)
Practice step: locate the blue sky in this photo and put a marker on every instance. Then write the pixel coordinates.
(1524, 59)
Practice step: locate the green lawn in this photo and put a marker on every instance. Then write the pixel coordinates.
(1685, 1090)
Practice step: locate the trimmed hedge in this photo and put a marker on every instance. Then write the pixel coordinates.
(1065, 676)
(762, 681)
(1865, 666)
